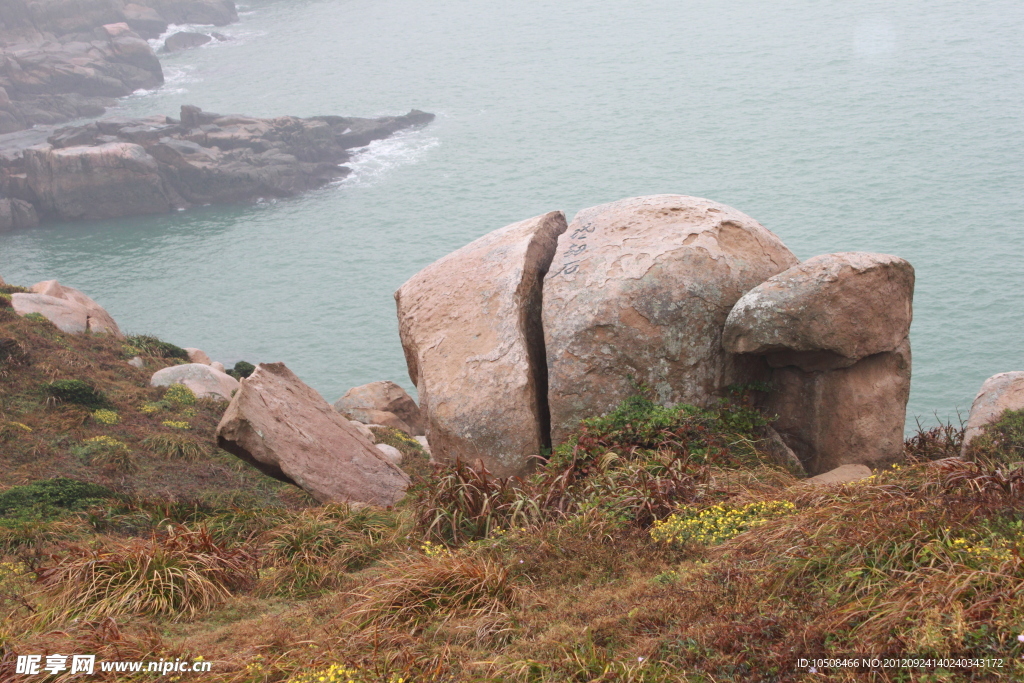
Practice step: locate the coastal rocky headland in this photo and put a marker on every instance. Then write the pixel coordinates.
(122, 167)
(66, 59)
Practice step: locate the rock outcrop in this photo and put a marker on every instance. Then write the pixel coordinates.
(638, 292)
(998, 394)
(67, 308)
(470, 325)
(203, 380)
(183, 40)
(384, 403)
(121, 167)
(109, 180)
(835, 331)
(66, 59)
(286, 429)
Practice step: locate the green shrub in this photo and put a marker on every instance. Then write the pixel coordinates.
(175, 446)
(180, 394)
(146, 345)
(49, 497)
(36, 317)
(106, 451)
(76, 391)
(242, 369)
(1002, 441)
(407, 445)
(721, 435)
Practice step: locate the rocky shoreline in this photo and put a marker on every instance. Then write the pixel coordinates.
(122, 167)
(67, 59)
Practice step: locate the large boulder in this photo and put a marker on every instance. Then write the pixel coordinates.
(203, 380)
(829, 311)
(638, 292)
(67, 308)
(105, 181)
(184, 40)
(998, 394)
(470, 325)
(366, 403)
(835, 331)
(286, 429)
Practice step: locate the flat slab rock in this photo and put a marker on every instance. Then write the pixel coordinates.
(840, 475)
(286, 429)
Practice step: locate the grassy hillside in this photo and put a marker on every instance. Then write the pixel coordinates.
(657, 545)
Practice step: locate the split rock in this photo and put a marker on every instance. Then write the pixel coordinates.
(470, 325)
(639, 290)
(835, 331)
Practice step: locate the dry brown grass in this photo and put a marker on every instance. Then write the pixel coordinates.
(419, 590)
(178, 574)
(559, 582)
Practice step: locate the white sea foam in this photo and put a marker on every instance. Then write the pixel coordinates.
(375, 161)
(234, 33)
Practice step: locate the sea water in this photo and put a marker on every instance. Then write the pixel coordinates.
(875, 126)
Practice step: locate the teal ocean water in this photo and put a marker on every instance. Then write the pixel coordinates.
(877, 126)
